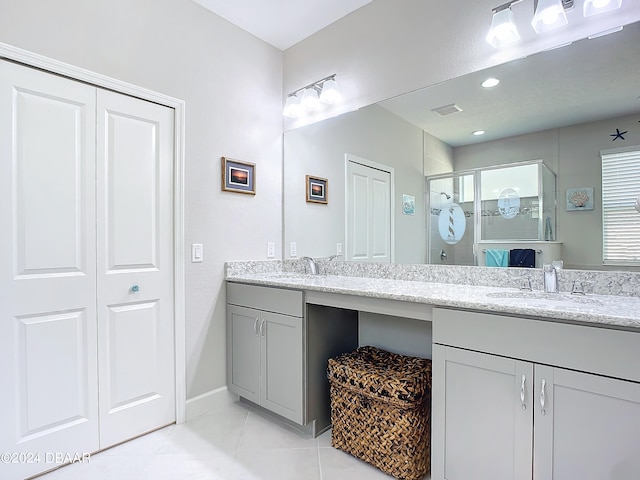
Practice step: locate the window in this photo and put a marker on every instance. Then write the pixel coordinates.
(620, 220)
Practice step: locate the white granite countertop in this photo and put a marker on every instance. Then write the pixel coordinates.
(602, 310)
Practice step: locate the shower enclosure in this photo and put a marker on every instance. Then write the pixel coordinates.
(497, 207)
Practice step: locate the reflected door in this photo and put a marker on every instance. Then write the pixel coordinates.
(450, 223)
(368, 213)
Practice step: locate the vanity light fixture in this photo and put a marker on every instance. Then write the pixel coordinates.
(548, 15)
(310, 98)
(596, 7)
(490, 82)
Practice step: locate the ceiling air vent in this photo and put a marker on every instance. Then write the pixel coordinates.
(447, 110)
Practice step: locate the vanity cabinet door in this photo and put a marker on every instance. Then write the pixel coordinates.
(589, 429)
(482, 416)
(243, 352)
(282, 384)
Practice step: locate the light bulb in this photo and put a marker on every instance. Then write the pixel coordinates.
(595, 7)
(503, 29)
(310, 101)
(549, 14)
(330, 92)
(292, 107)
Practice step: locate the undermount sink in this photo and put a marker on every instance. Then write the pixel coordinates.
(554, 297)
(294, 275)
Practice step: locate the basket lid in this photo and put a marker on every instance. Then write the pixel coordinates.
(377, 373)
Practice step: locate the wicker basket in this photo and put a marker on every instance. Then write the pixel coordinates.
(380, 410)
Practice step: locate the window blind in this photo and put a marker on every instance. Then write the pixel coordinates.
(620, 220)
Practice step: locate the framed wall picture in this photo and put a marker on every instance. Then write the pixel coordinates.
(408, 205)
(239, 177)
(579, 199)
(317, 189)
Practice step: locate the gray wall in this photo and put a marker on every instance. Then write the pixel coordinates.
(573, 153)
(231, 83)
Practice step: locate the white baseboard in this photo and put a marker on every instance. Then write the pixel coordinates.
(210, 402)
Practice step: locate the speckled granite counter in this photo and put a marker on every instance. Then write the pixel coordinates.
(603, 310)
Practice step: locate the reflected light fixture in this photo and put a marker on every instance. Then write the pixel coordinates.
(490, 82)
(310, 98)
(548, 15)
(330, 92)
(503, 29)
(595, 7)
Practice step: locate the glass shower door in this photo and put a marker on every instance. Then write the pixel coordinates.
(450, 225)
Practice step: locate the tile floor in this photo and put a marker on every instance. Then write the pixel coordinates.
(235, 443)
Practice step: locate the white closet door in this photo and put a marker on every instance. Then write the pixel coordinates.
(135, 266)
(48, 382)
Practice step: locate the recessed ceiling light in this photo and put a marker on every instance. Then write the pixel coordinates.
(490, 82)
(477, 133)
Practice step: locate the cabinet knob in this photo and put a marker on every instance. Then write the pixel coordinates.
(135, 288)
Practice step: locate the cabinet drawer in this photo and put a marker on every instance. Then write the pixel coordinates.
(277, 300)
(614, 353)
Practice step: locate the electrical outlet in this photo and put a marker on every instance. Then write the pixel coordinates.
(271, 249)
(338, 249)
(293, 249)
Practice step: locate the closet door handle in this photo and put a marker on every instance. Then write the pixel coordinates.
(522, 392)
(255, 326)
(262, 325)
(542, 397)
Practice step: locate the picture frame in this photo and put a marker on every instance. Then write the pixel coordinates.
(316, 189)
(579, 199)
(408, 205)
(238, 176)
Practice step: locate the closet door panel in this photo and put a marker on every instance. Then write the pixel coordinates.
(135, 267)
(48, 399)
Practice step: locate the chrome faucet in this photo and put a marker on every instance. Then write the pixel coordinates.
(550, 273)
(313, 266)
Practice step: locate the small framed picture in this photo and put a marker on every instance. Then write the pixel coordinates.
(408, 205)
(579, 199)
(239, 177)
(317, 189)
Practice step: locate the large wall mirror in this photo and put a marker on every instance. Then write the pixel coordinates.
(561, 107)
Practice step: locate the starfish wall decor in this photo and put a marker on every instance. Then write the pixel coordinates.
(618, 135)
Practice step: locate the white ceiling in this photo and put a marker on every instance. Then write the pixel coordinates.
(282, 23)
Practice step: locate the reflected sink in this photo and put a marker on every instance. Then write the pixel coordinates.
(553, 297)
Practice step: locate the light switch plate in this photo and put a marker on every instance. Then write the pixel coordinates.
(271, 249)
(338, 249)
(197, 251)
(293, 249)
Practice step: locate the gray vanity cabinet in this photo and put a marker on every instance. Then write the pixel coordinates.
(517, 399)
(265, 333)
